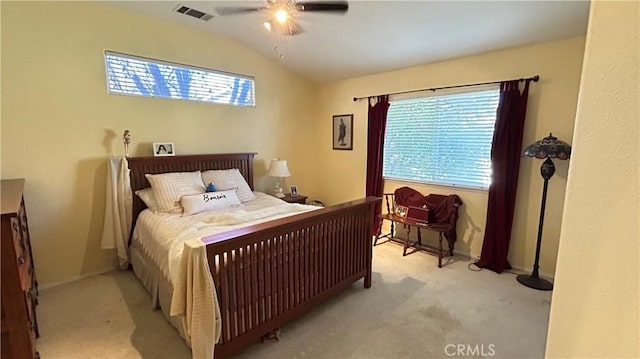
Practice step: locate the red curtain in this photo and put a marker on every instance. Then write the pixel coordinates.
(377, 124)
(506, 153)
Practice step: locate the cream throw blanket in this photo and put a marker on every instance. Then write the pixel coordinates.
(194, 296)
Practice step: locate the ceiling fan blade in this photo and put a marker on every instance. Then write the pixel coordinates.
(324, 6)
(237, 10)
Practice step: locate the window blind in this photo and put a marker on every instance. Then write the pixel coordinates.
(442, 139)
(138, 76)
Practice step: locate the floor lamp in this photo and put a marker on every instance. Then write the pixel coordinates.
(546, 148)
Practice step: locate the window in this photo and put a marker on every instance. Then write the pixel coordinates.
(137, 76)
(442, 139)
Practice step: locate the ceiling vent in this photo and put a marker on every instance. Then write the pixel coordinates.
(193, 12)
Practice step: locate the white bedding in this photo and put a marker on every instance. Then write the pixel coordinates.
(164, 238)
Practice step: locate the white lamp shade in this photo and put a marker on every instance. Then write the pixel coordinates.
(279, 168)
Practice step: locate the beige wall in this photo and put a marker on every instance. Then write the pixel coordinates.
(594, 309)
(552, 105)
(59, 124)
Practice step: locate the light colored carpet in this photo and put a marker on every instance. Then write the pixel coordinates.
(413, 310)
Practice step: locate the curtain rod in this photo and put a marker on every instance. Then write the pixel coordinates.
(535, 78)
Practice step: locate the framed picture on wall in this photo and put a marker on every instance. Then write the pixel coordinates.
(343, 132)
(163, 149)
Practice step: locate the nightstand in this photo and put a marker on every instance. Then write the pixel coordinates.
(297, 199)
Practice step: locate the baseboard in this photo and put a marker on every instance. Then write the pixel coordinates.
(543, 275)
(73, 279)
(514, 268)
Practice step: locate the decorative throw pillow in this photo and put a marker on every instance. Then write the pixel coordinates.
(209, 201)
(146, 195)
(168, 188)
(228, 179)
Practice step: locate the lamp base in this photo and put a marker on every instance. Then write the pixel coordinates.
(535, 282)
(277, 191)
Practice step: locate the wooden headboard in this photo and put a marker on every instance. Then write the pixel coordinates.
(139, 166)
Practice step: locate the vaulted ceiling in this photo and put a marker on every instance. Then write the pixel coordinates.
(377, 36)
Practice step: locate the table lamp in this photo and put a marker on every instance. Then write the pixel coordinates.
(279, 170)
(548, 147)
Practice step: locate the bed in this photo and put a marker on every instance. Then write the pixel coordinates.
(266, 274)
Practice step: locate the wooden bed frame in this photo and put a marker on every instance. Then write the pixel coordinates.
(268, 274)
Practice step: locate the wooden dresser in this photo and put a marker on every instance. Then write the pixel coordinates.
(19, 286)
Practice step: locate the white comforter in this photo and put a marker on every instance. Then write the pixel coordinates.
(166, 237)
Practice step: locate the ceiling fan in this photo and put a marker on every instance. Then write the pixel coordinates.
(281, 13)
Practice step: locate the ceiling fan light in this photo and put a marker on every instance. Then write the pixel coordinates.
(281, 16)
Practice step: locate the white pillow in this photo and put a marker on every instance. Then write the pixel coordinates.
(148, 198)
(228, 179)
(168, 188)
(209, 201)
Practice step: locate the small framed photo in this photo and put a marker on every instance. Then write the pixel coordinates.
(294, 191)
(163, 149)
(401, 211)
(343, 132)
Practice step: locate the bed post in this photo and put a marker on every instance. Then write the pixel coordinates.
(369, 252)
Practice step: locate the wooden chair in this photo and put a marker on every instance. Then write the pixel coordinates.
(445, 226)
(390, 203)
(394, 218)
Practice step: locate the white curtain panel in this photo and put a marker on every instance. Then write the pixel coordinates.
(117, 215)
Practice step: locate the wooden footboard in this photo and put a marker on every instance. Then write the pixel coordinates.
(268, 274)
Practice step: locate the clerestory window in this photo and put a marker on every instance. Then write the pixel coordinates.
(138, 76)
